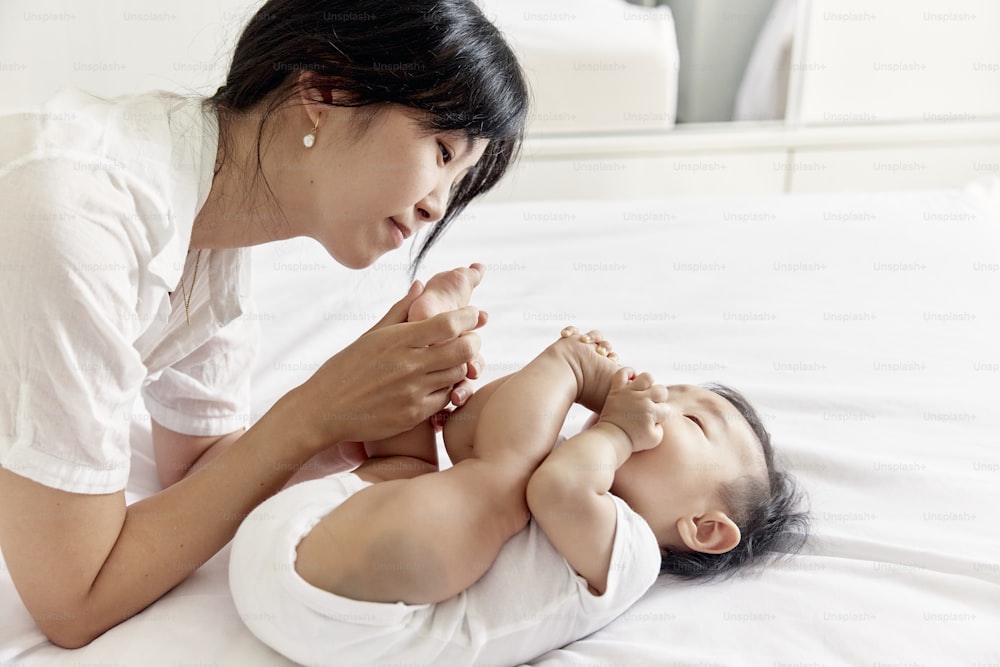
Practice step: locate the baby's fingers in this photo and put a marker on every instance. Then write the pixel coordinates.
(661, 413)
(659, 393)
(621, 377)
(649, 433)
(642, 382)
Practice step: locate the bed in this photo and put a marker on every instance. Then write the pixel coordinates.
(865, 327)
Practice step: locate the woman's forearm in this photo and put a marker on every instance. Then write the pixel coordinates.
(165, 537)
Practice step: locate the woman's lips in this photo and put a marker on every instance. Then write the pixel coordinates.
(402, 230)
(399, 233)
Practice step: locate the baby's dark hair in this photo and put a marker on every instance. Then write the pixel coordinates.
(442, 59)
(769, 515)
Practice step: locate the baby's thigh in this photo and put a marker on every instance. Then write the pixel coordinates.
(287, 613)
(420, 540)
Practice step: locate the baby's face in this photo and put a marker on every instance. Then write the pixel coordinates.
(706, 443)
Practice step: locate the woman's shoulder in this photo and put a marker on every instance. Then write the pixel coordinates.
(88, 133)
(128, 168)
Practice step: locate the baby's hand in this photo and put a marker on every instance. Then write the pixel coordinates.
(636, 406)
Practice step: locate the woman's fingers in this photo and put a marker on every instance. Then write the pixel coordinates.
(461, 393)
(398, 312)
(458, 352)
(397, 375)
(475, 367)
(443, 327)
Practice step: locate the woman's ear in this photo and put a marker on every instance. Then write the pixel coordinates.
(314, 99)
(712, 533)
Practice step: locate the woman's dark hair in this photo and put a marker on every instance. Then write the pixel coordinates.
(769, 514)
(440, 58)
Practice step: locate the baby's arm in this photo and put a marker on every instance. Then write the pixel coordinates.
(568, 493)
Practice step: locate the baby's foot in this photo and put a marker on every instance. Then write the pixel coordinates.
(593, 363)
(446, 291)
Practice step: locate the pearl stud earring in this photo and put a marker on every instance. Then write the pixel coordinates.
(310, 138)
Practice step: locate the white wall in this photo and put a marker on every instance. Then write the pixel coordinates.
(849, 99)
(112, 47)
(868, 60)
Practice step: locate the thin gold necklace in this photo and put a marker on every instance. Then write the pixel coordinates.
(186, 296)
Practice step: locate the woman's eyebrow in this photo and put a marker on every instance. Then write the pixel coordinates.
(466, 145)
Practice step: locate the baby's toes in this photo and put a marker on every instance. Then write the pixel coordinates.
(601, 345)
(595, 339)
(467, 280)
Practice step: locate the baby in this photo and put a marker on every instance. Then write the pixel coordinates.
(520, 546)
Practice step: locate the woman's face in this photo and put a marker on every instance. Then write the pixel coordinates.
(362, 191)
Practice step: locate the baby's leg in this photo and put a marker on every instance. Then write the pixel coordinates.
(446, 291)
(460, 426)
(428, 538)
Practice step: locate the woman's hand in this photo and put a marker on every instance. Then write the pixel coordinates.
(394, 376)
(456, 285)
(446, 291)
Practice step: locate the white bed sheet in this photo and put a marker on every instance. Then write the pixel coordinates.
(864, 327)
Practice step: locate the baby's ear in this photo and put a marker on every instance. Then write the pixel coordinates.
(712, 533)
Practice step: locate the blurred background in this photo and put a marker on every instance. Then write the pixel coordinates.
(631, 98)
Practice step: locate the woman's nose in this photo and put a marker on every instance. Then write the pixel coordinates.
(433, 207)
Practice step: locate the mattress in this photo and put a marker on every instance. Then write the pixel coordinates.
(863, 326)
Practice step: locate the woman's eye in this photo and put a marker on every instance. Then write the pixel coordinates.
(445, 153)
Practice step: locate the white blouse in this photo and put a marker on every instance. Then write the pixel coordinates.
(97, 201)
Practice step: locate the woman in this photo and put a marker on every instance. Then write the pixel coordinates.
(126, 229)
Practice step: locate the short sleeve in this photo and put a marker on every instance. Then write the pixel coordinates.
(208, 391)
(70, 372)
(635, 561)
